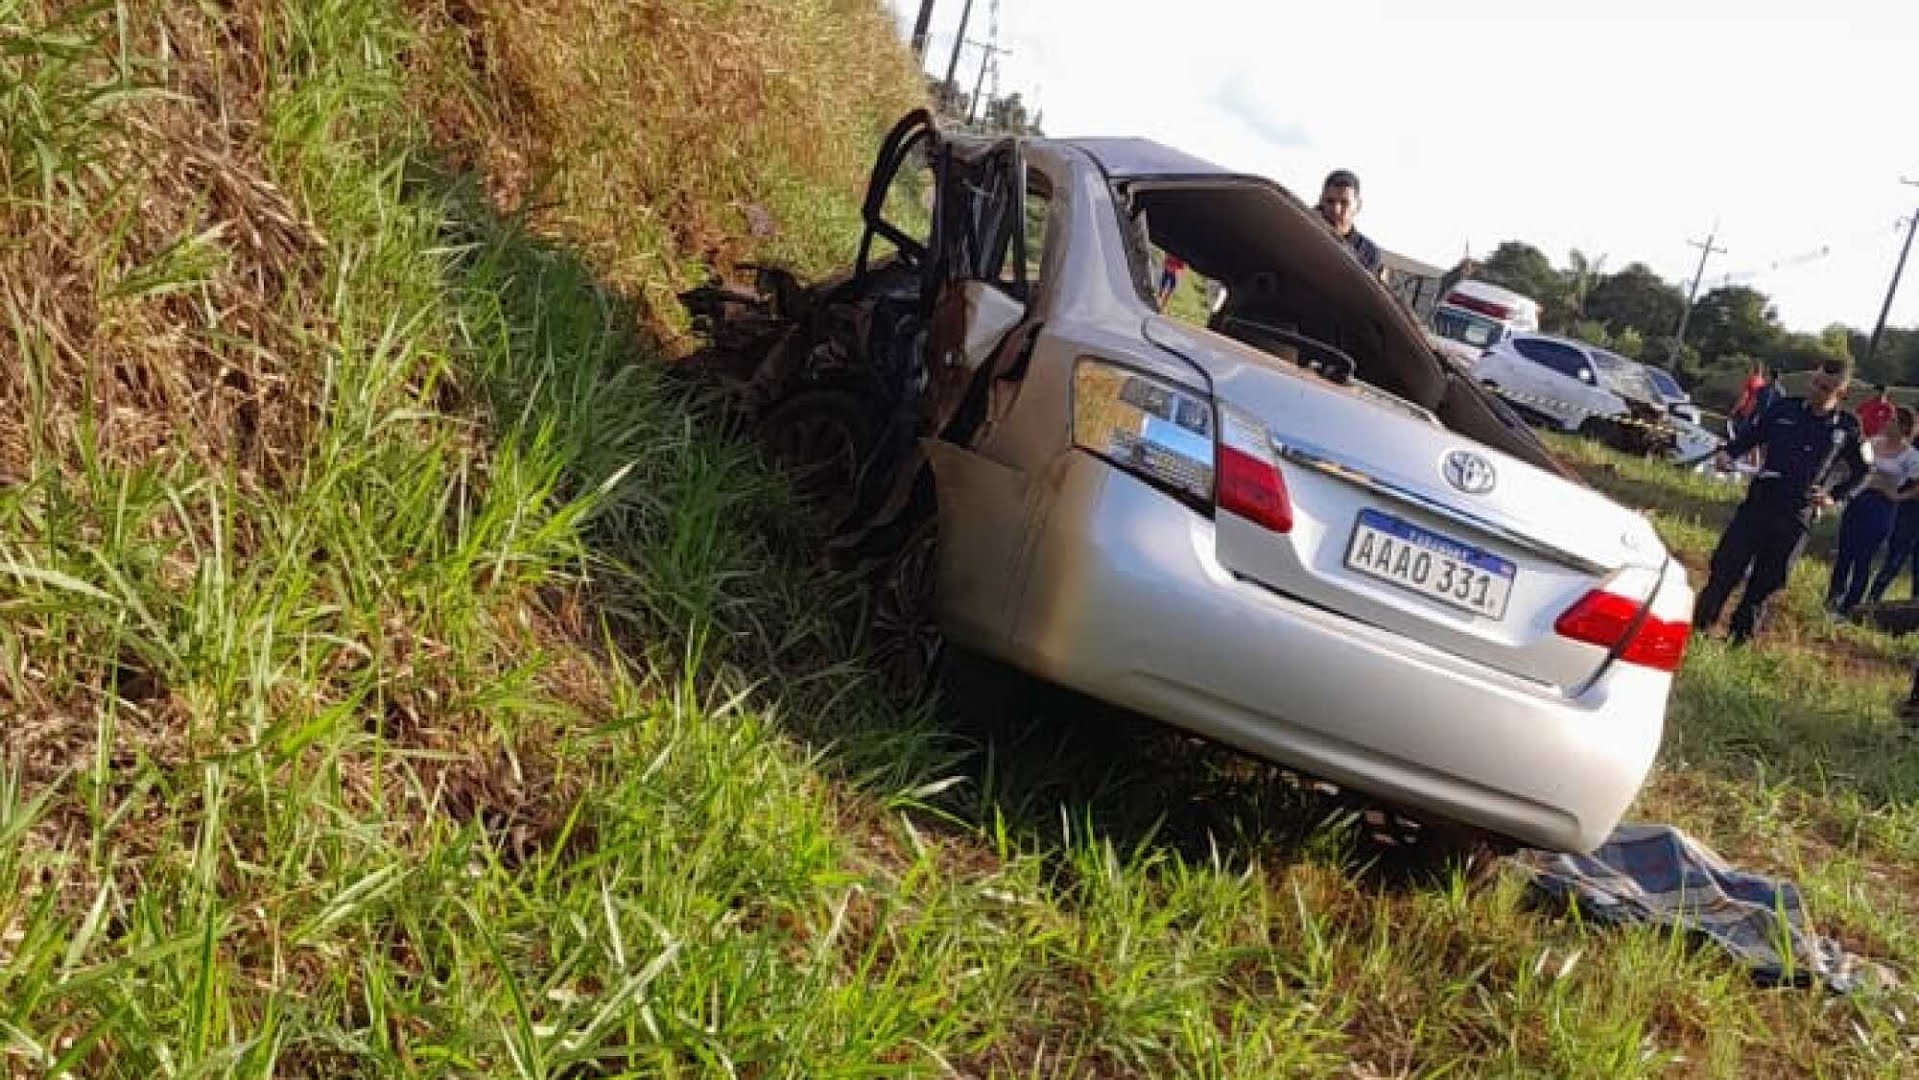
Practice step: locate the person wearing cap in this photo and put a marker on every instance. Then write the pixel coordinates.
(1804, 438)
(1339, 205)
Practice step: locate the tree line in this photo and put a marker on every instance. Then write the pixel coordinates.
(1635, 312)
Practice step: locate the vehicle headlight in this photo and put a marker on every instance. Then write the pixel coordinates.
(1147, 426)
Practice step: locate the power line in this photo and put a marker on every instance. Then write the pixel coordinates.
(1842, 245)
(1804, 257)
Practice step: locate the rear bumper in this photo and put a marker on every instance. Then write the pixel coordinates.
(1125, 601)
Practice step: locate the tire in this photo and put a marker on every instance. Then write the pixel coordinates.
(822, 438)
(907, 645)
(976, 695)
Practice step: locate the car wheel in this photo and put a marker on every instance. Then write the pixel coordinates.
(905, 624)
(821, 439)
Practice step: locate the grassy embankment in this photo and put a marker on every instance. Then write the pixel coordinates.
(401, 678)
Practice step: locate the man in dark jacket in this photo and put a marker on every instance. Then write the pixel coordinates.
(1339, 205)
(1803, 439)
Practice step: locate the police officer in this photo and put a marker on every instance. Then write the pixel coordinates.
(1803, 439)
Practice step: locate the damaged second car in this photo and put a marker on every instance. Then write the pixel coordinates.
(1279, 522)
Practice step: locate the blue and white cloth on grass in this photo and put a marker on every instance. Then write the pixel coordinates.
(1658, 875)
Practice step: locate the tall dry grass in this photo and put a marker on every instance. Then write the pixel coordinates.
(663, 137)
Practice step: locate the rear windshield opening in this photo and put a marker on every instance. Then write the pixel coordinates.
(1286, 286)
(1182, 292)
(1283, 283)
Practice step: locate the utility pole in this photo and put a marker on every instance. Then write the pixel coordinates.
(920, 28)
(988, 50)
(1912, 226)
(949, 88)
(1706, 250)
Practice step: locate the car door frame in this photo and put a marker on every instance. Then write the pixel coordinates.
(983, 503)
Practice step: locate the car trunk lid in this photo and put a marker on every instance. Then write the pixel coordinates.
(1406, 525)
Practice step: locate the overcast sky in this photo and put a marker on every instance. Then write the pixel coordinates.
(1619, 127)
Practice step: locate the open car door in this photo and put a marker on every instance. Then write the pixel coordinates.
(966, 282)
(982, 291)
(977, 276)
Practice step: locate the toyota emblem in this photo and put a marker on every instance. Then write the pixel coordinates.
(1469, 472)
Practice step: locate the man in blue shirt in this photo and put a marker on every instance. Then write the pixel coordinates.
(1339, 205)
(1803, 439)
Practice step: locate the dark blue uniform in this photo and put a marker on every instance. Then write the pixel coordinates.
(1770, 527)
(1364, 250)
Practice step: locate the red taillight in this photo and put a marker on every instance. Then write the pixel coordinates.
(1253, 489)
(1605, 619)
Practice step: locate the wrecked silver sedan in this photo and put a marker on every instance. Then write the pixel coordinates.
(1280, 522)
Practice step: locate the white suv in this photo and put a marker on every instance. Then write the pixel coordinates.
(1552, 377)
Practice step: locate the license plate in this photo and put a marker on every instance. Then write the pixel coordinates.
(1434, 566)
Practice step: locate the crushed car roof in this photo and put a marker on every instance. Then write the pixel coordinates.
(1124, 158)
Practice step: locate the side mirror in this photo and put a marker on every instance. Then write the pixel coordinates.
(1586, 376)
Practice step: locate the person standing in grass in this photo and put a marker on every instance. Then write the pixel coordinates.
(1803, 438)
(1871, 514)
(1900, 549)
(1169, 269)
(1747, 409)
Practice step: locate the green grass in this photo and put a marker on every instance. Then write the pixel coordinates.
(497, 723)
(1188, 301)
